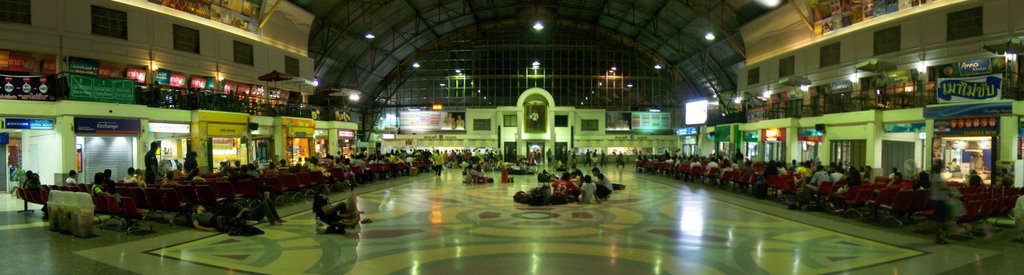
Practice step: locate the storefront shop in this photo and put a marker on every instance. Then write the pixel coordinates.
(750, 147)
(902, 145)
(810, 141)
(589, 145)
(321, 146)
(428, 142)
(346, 141)
(688, 139)
(106, 143)
(173, 139)
(299, 142)
(221, 135)
(727, 138)
(774, 144)
(261, 144)
(966, 137)
(19, 133)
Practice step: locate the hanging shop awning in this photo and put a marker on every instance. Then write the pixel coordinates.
(1005, 45)
(875, 66)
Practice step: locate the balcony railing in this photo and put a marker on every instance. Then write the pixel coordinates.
(212, 100)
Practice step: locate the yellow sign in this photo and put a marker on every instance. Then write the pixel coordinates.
(207, 116)
(298, 122)
(437, 107)
(300, 132)
(228, 130)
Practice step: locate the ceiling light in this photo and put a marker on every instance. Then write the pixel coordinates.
(738, 99)
(766, 94)
(657, 66)
(709, 36)
(614, 68)
(442, 84)
(769, 3)
(536, 64)
(415, 64)
(805, 87)
(458, 71)
(353, 97)
(600, 83)
(538, 26)
(369, 36)
(921, 68)
(316, 82)
(630, 85)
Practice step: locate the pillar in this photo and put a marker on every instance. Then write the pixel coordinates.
(334, 148)
(145, 138)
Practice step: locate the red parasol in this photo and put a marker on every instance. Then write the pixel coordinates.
(275, 76)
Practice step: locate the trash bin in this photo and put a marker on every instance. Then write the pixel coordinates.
(55, 207)
(69, 203)
(83, 220)
(413, 171)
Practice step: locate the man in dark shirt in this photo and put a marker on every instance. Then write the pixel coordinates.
(191, 165)
(151, 163)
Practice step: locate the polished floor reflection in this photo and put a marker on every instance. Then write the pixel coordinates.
(435, 225)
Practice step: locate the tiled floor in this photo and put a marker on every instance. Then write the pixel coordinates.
(434, 225)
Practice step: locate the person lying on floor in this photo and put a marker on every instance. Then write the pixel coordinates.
(208, 221)
(337, 217)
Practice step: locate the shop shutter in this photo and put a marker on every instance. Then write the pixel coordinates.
(895, 154)
(114, 153)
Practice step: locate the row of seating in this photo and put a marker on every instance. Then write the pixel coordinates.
(897, 203)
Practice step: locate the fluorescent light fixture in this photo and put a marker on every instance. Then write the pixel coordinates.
(415, 64)
(442, 85)
(614, 68)
(538, 26)
(630, 85)
(657, 66)
(655, 110)
(458, 71)
(353, 97)
(768, 3)
(709, 36)
(369, 36)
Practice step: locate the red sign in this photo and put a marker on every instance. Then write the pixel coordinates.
(109, 71)
(49, 66)
(244, 89)
(773, 134)
(20, 63)
(228, 86)
(139, 75)
(198, 82)
(177, 80)
(346, 133)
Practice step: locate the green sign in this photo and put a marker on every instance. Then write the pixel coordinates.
(110, 90)
(898, 77)
(752, 136)
(727, 133)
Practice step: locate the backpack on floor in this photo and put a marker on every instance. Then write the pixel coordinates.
(616, 186)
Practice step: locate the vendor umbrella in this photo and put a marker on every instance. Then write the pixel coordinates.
(275, 76)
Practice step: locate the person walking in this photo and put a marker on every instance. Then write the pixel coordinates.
(939, 193)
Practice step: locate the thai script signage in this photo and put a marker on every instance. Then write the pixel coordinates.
(966, 89)
(842, 86)
(809, 134)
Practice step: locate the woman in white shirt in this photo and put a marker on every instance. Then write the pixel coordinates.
(72, 178)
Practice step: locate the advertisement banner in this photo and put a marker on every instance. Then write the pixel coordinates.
(809, 134)
(110, 90)
(773, 134)
(83, 66)
(899, 77)
(109, 71)
(892, 128)
(980, 109)
(49, 66)
(651, 121)
(197, 82)
(242, 14)
(20, 63)
(162, 77)
(136, 74)
(984, 126)
(174, 128)
(4, 139)
(841, 86)
(28, 123)
(177, 80)
(687, 131)
(298, 122)
(26, 88)
(973, 67)
(967, 89)
(752, 136)
(107, 126)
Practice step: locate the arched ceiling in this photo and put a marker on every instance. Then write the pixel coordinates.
(672, 29)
